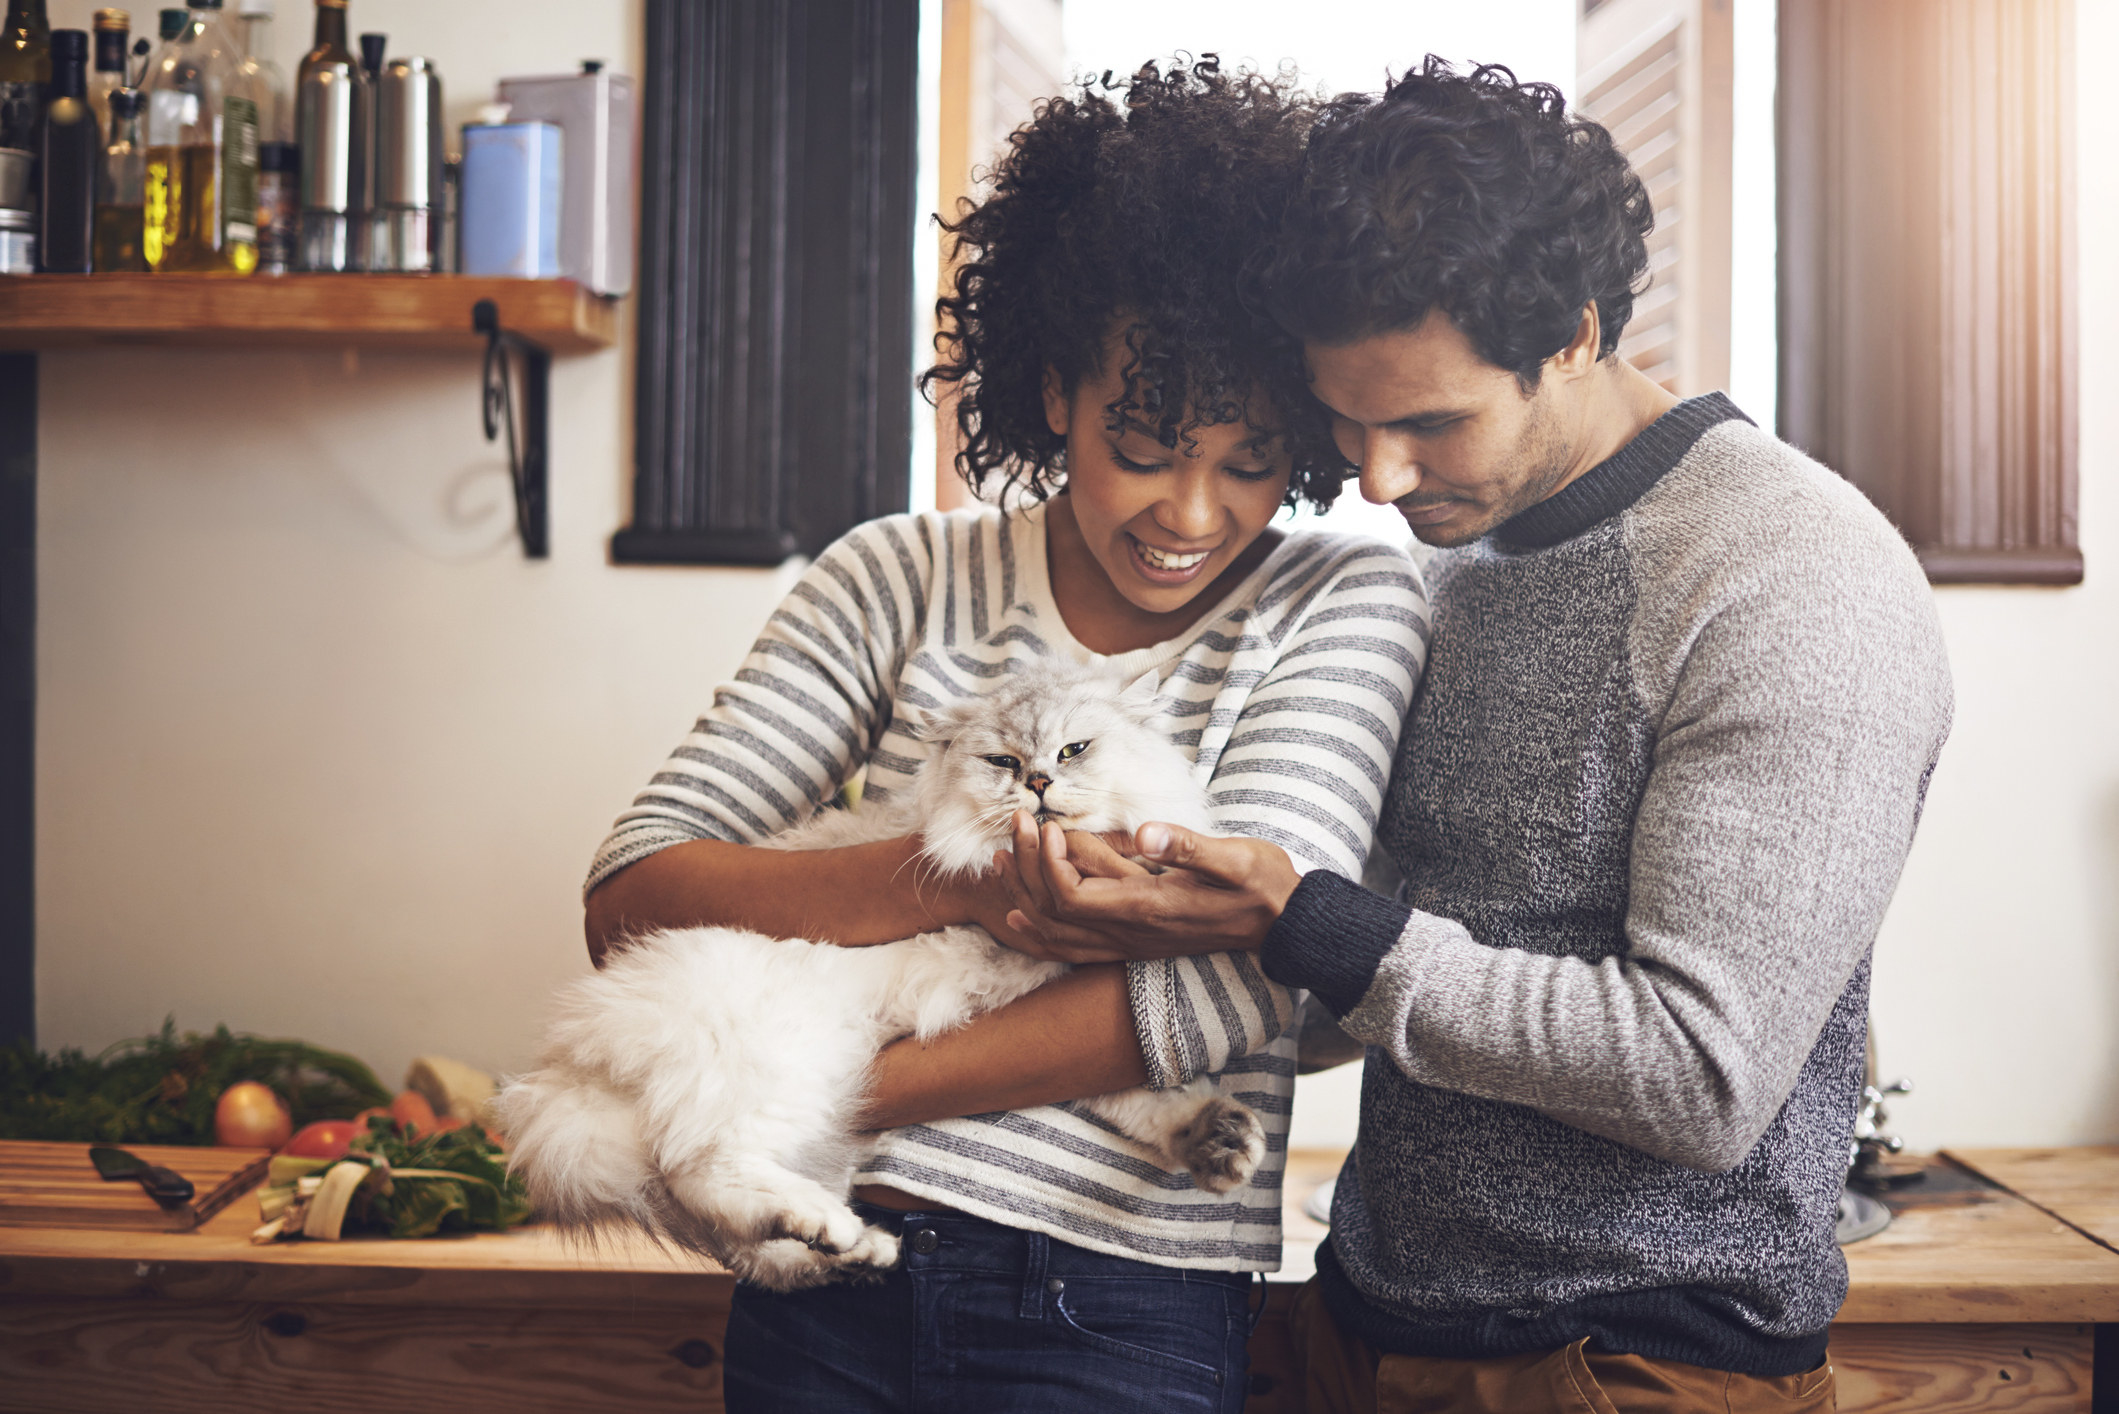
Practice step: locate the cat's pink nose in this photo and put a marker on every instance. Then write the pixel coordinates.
(1038, 781)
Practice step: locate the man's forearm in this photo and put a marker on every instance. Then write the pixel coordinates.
(871, 893)
(1072, 1038)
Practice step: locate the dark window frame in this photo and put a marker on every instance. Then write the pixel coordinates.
(772, 385)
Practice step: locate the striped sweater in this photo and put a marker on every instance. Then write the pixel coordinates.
(1288, 694)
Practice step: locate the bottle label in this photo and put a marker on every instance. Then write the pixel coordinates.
(239, 171)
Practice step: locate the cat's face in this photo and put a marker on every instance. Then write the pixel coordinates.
(1064, 743)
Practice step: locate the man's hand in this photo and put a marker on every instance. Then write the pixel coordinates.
(1079, 900)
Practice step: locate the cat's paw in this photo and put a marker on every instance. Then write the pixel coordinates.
(872, 1254)
(781, 1266)
(1221, 1144)
(830, 1228)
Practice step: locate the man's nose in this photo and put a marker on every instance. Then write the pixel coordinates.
(1389, 468)
(1037, 781)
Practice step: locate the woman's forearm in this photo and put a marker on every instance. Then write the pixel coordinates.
(871, 893)
(1071, 1038)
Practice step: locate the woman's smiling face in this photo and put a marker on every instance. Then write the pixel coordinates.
(1165, 523)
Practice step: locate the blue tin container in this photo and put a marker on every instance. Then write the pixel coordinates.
(510, 219)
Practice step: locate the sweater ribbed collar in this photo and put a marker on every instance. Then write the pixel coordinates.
(1619, 480)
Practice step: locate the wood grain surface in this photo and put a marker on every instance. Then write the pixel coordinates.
(2078, 1186)
(55, 1186)
(1942, 1369)
(269, 1358)
(1978, 1255)
(325, 311)
(1951, 1308)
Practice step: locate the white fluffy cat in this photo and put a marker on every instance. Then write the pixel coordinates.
(703, 1084)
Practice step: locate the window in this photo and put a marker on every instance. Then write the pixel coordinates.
(775, 277)
(1928, 271)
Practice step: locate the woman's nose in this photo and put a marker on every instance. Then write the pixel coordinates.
(1189, 511)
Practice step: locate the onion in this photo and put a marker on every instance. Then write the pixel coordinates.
(250, 1116)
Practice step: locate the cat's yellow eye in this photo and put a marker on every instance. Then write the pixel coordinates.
(1072, 749)
(1006, 763)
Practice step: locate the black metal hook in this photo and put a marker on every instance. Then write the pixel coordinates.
(527, 469)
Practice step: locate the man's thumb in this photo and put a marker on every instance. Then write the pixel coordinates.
(1165, 844)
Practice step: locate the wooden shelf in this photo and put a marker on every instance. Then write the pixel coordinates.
(295, 311)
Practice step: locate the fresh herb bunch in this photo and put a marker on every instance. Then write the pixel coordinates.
(488, 1197)
(162, 1089)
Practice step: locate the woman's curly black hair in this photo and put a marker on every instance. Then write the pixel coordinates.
(1473, 194)
(1144, 210)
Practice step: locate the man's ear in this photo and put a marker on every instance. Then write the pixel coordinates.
(1582, 351)
(1058, 406)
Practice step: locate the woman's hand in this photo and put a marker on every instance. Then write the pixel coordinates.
(1076, 899)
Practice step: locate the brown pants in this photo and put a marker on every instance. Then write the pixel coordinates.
(1341, 1374)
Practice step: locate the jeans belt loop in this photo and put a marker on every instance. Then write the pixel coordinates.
(1037, 1247)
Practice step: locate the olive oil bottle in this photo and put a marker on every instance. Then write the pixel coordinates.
(121, 184)
(202, 144)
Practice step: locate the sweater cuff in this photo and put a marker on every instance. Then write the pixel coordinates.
(1330, 939)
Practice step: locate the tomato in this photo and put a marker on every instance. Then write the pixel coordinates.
(411, 1110)
(250, 1116)
(326, 1139)
(360, 1121)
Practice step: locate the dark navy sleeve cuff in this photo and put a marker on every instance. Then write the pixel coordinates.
(1331, 938)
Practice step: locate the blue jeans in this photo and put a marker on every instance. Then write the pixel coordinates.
(983, 1319)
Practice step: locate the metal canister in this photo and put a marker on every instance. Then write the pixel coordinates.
(331, 116)
(18, 241)
(408, 156)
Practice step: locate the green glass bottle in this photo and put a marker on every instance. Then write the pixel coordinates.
(25, 76)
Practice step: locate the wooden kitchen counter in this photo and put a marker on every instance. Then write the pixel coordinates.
(1974, 1297)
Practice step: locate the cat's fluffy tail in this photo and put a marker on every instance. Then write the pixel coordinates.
(579, 1150)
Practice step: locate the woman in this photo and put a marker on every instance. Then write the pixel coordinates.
(1107, 374)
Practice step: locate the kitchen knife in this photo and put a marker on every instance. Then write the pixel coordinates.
(165, 1186)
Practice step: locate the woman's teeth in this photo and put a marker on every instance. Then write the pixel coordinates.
(1163, 560)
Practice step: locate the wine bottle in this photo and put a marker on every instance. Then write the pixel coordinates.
(25, 77)
(66, 164)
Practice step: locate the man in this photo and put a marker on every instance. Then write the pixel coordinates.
(1683, 696)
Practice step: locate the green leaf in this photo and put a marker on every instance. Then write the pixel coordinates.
(420, 1206)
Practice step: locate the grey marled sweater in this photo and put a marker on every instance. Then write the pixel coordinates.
(1650, 804)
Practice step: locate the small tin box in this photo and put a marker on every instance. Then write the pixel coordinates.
(511, 195)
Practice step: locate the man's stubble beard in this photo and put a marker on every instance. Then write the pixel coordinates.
(1543, 450)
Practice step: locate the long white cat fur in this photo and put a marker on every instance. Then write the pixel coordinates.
(702, 1085)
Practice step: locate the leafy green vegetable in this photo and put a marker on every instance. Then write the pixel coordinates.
(162, 1089)
(487, 1197)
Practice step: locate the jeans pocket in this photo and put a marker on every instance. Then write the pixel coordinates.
(1130, 1350)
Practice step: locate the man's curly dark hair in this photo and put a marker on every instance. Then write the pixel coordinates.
(1469, 193)
(1143, 210)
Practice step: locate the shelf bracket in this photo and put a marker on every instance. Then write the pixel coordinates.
(528, 466)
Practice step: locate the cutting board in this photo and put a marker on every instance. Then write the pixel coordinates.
(54, 1185)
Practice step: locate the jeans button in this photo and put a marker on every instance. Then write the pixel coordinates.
(1055, 1286)
(926, 1240)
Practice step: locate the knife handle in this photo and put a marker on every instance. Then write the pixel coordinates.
(166, 1185)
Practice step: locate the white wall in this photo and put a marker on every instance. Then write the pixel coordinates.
(319, 753)
(1997, 977)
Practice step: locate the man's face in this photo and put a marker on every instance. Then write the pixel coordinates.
(1447, 437)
